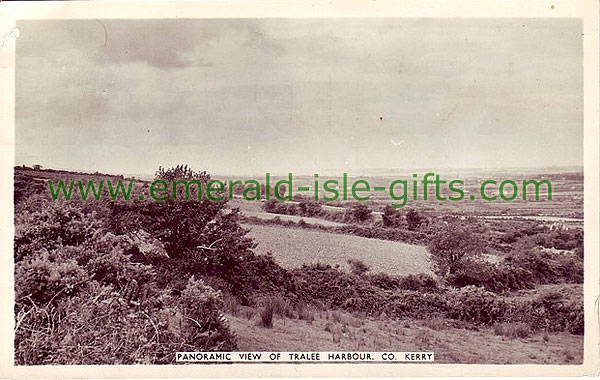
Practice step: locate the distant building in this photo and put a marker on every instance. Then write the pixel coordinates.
(37, 167)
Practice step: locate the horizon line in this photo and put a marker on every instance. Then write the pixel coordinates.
(324, 172)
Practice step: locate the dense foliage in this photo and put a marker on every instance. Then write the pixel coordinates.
(82, 297)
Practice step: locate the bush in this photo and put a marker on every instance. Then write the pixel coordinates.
(200, 317)
(361, 213)
(513, 330)
(275, 206)
(358, 267)
(44, 225)
(521, 269)
(547, 268)
(422, 282)
(337, 289)
(309, 207)
(391, 217)
(97, 324)
(266, 316)
(554, 311)
(198, 236)
(375, 294)
(42, 281)
(492, 277)
(413, 219)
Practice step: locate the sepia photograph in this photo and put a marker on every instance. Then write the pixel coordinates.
(196, 191)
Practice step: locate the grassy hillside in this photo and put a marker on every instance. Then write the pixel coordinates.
(338, 331)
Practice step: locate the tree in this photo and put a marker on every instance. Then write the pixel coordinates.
(413, 219)
(181, 172)
(309, 207)
(271, 206)
(361, 212)
(450, 246)
(391, 217)
(199, 235)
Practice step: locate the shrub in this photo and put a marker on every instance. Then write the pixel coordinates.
(476, 305)
(361, 213)
(521, 269)
(391, 217)
(414, 304)
(25, 187)
(422, 282)
(266, 316)
(43, 281)
(181, 171)
(413, 219)
(358, 267)
(419, 297)
(309, 207)
(546, 267)
(513, 330)
(304, 312)
(200, 235)
(200, 305)
(493, 277)
(97, 324)
(261, 275)
(82, 299)
(336, 288)
(42, 224)
(279, 207)
(553, 311)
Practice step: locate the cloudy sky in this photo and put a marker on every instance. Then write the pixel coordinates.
(244, 96)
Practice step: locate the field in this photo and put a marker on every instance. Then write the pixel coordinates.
(292, 218)
(292, 247)
(566, 202)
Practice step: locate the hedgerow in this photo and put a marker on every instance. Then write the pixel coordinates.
(373, 295)
(520, 269)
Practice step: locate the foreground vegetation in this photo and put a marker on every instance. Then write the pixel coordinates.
(451, 342)
(134, 282)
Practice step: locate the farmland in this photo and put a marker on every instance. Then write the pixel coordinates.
(292, 247)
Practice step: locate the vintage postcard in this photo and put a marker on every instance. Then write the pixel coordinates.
(296, 189)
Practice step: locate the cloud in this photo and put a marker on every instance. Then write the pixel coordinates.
(302, 93)
(162, 44)
(181, 43)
